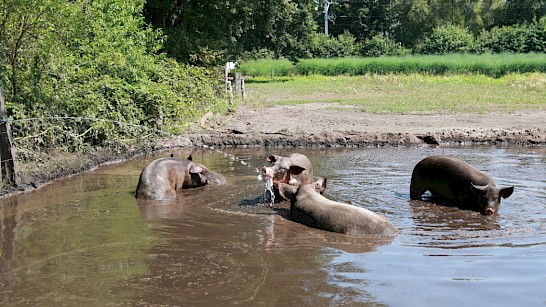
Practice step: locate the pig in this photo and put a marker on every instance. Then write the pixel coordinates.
(212, 177)
(163, 177)
(309, 207)
(295, 169)
(454, 182)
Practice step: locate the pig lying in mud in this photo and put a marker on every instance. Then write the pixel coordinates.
(294, 170)
(309, 207)
(161, 178)
(454, 182)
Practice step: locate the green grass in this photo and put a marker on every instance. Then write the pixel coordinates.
(494, 65)
(403, 94)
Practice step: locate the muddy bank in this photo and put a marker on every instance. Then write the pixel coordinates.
(331, 125)
(501, 137)
(46, 167)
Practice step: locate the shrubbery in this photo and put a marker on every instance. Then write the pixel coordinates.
(93, 75)
(447, 39)
(517, 38)
(334, 47)
(380, 45)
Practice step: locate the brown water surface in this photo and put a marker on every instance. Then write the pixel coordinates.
(87, 241)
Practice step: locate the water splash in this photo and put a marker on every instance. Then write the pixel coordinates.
(268, 188)
(268, 183)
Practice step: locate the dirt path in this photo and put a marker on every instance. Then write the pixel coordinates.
(325, 124)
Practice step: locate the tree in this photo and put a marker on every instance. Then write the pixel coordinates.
(362, 18)
(99, 60)
(412, 21)
(22, 32)
(210, 32)
(523, 12)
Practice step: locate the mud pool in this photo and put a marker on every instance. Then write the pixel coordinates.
(86, 241)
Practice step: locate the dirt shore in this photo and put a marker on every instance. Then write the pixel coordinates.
(328, 125)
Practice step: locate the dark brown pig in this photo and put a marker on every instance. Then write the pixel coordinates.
(161, 178)
(309, 207)
(455, 182)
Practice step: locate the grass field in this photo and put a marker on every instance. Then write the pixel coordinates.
(494, 65)
(405, 93)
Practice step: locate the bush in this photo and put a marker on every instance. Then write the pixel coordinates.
(334, 47)
(380, 45)
(516, 38)
(447, 39)
(95, 77)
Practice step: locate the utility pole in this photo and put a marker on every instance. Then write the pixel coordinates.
(326, 7)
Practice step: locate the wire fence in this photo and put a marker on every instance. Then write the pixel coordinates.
(47, 149)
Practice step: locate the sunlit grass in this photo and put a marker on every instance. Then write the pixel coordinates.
(413, 93)
(495, 65)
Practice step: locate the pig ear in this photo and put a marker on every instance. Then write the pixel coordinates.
(296, 170)
(194, 168)
(478, 189)
(506, 192)
(190, 158)
(272, 159)
(323, 185)
(320, 185)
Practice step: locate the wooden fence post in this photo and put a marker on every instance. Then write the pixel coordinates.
(8, 165)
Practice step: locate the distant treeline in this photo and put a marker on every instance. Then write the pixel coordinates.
(209, 32)
(495, 65)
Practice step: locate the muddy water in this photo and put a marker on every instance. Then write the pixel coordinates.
(87, 241)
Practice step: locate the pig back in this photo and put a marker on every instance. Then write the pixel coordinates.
(314, 210)
(448, 177)
(161, 177)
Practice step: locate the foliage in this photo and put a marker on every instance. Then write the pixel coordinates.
(516, 38)
(229, 28)
(447, 39)
(381, 45)
(334, 47)
(212, 32)
(363, 19)
(90, 74)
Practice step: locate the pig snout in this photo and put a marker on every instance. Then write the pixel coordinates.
(266, 173)
(489, 211)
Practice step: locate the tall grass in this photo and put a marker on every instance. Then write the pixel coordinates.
(494, 65)
(267, 68)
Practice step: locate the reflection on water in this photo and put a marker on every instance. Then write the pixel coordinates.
(87, 240)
